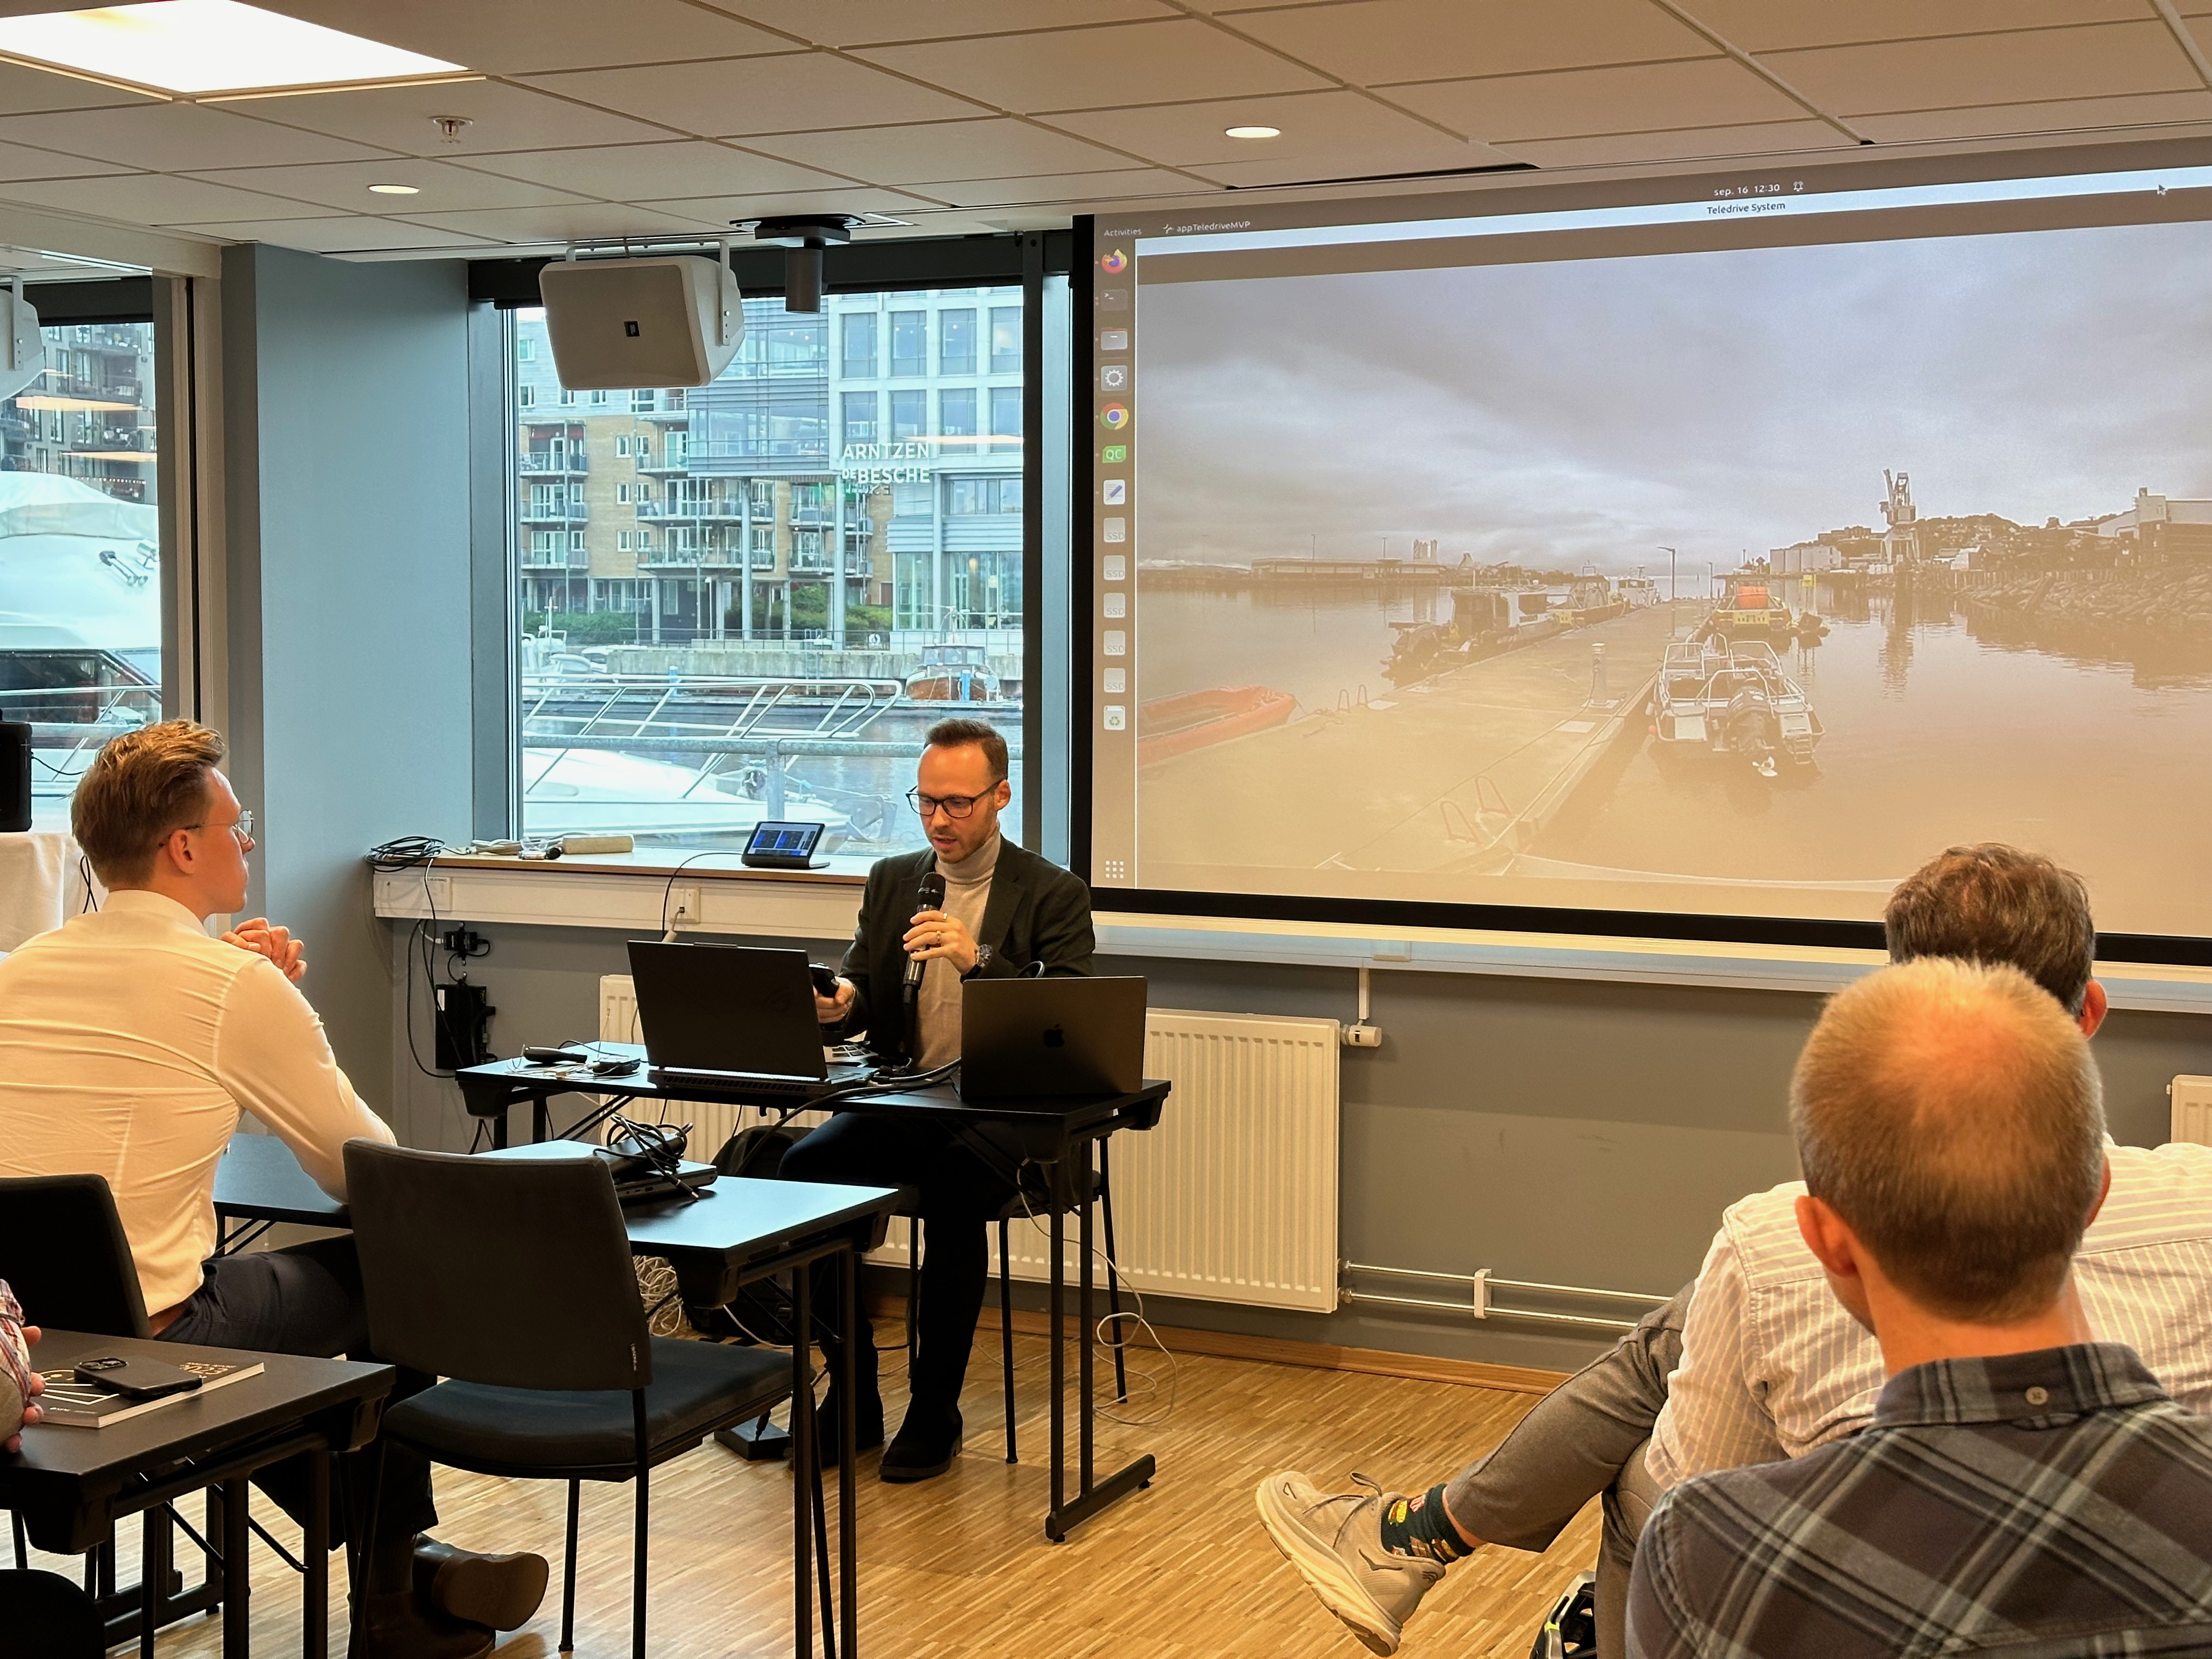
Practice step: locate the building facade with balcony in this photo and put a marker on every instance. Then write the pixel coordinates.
(90, 415)
(851, 472)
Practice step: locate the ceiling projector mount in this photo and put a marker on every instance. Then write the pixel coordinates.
(804, 235)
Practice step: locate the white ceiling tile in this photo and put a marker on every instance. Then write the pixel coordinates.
(2099, 61)
(2060, 115)
(21, 161)
(641, 173)
(1090, 68)
(345, 185)
(2202, 30)
(944, 149)
(1575, 103)
(1771, 25)
(1072, 188)
(562, 224)
(156, 199)
(721, 209)
(730, 97)
(346, 233)
(855, 23)
(24, 90)
(501, 117)
(1374, 41)
(176, 136)
(1758, 138)
(1316, 126)
(514, 37)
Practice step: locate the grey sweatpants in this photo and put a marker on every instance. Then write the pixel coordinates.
(1585, 1437)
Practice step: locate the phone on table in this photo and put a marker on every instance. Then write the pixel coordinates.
(137, 1379)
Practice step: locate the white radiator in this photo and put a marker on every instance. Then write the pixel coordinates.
(1233, 1197)
(2193, 1110)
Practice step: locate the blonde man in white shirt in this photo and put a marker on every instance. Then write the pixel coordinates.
(131, 1044)
(1755, 1360)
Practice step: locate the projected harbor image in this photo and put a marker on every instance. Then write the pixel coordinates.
(1733, 582)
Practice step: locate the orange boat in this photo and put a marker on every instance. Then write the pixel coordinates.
(1168, 727)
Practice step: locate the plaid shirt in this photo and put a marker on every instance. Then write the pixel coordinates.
(2039, 1505)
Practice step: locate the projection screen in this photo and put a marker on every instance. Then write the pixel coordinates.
(1724, 556)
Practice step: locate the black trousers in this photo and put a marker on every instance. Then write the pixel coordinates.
(962, 1180)
(307, 1300)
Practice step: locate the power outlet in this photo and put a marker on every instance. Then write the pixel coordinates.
(684, 907)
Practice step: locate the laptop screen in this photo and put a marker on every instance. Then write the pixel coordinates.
(727, 1008)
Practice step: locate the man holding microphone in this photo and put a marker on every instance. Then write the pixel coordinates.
(970, 906)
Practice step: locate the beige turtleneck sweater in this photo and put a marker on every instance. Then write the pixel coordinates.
(967, 892)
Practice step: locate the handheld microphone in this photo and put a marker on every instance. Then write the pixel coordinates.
(930, 897)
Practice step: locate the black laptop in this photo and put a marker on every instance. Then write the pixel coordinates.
(736, 1016)
(1045, 1038)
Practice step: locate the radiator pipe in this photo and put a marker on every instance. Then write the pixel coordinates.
(1425, 1303)
(1480, 1287)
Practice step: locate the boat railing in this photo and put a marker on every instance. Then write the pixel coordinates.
(772, 750)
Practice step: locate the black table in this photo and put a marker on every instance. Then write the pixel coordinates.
(1080, 1125)
(736, 1231)
(71, 1485)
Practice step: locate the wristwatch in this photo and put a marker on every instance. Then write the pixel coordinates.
(983, 961)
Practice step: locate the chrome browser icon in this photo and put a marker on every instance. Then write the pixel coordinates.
(1114, 417)
(1114, 263)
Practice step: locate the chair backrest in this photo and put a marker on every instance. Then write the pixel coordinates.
(515, 1273)
(62, 1250)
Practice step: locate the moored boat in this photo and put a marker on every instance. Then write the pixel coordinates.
(1168, 727)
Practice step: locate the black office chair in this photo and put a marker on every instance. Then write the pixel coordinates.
(62, 1248)
(44, 1616)
(513, 1279)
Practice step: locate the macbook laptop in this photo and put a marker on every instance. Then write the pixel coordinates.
(1042, 1038)
(733, 1015)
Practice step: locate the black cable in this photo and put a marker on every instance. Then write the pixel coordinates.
(404, 852)
(668, 891)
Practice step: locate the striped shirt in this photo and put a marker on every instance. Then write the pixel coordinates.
(2038, 1505)
(1772, 1366)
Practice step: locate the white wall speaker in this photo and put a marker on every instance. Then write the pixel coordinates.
(22, 348)
(615, 325)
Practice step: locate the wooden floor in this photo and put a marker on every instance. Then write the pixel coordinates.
(960, 1565)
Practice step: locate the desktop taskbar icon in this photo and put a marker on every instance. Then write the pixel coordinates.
(1114, 417)
(1113, 454)
(1114, 263)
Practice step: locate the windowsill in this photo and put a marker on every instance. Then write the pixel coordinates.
(629, 892)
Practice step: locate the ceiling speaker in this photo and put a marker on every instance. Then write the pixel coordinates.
(615, 325)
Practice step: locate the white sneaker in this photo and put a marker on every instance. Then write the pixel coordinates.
(1334, 1540)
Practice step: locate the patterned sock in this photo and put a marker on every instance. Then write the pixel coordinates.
(1422, 1527)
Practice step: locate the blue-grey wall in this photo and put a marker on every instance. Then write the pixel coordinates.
(346, 446)
(1554, 1131)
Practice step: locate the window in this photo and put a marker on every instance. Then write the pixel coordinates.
(1006, 340)
(887, 542)
(1005, 415)
(956, 342)
(857, 340)
(909, 342)
(909, 414)
(860, 416)
(955, 413)
(525, 395)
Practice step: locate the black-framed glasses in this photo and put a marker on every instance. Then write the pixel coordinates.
(956, 806)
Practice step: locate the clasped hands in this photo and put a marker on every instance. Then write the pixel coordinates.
(286, 953)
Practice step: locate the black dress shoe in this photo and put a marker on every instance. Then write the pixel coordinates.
(927, 1443)
(828, 1427)
(396, 1625)
(499, 1592)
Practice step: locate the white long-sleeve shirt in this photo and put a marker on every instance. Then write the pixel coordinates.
(1773, 1366)
(130, 1044)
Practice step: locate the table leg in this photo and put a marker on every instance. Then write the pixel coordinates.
(1058, 1299)
(1084, 1329)
(237, 1634)
(541, 1119)
(315, 1557)
(849, 1522)
(804, 1455)
(150, 1575)
(499, 1128)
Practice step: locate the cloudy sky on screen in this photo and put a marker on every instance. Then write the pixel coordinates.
(1589, 409)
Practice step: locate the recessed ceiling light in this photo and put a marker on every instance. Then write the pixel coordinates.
(1252, 132)
(395, 189)
(208, 45)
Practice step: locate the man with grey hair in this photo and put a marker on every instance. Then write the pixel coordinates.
(2022, 1484)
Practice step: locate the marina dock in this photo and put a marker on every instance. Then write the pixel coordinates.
(1457, 773)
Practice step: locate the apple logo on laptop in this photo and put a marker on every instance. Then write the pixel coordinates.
(1053, 1038)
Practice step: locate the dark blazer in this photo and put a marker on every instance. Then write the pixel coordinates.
(1037, 912)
